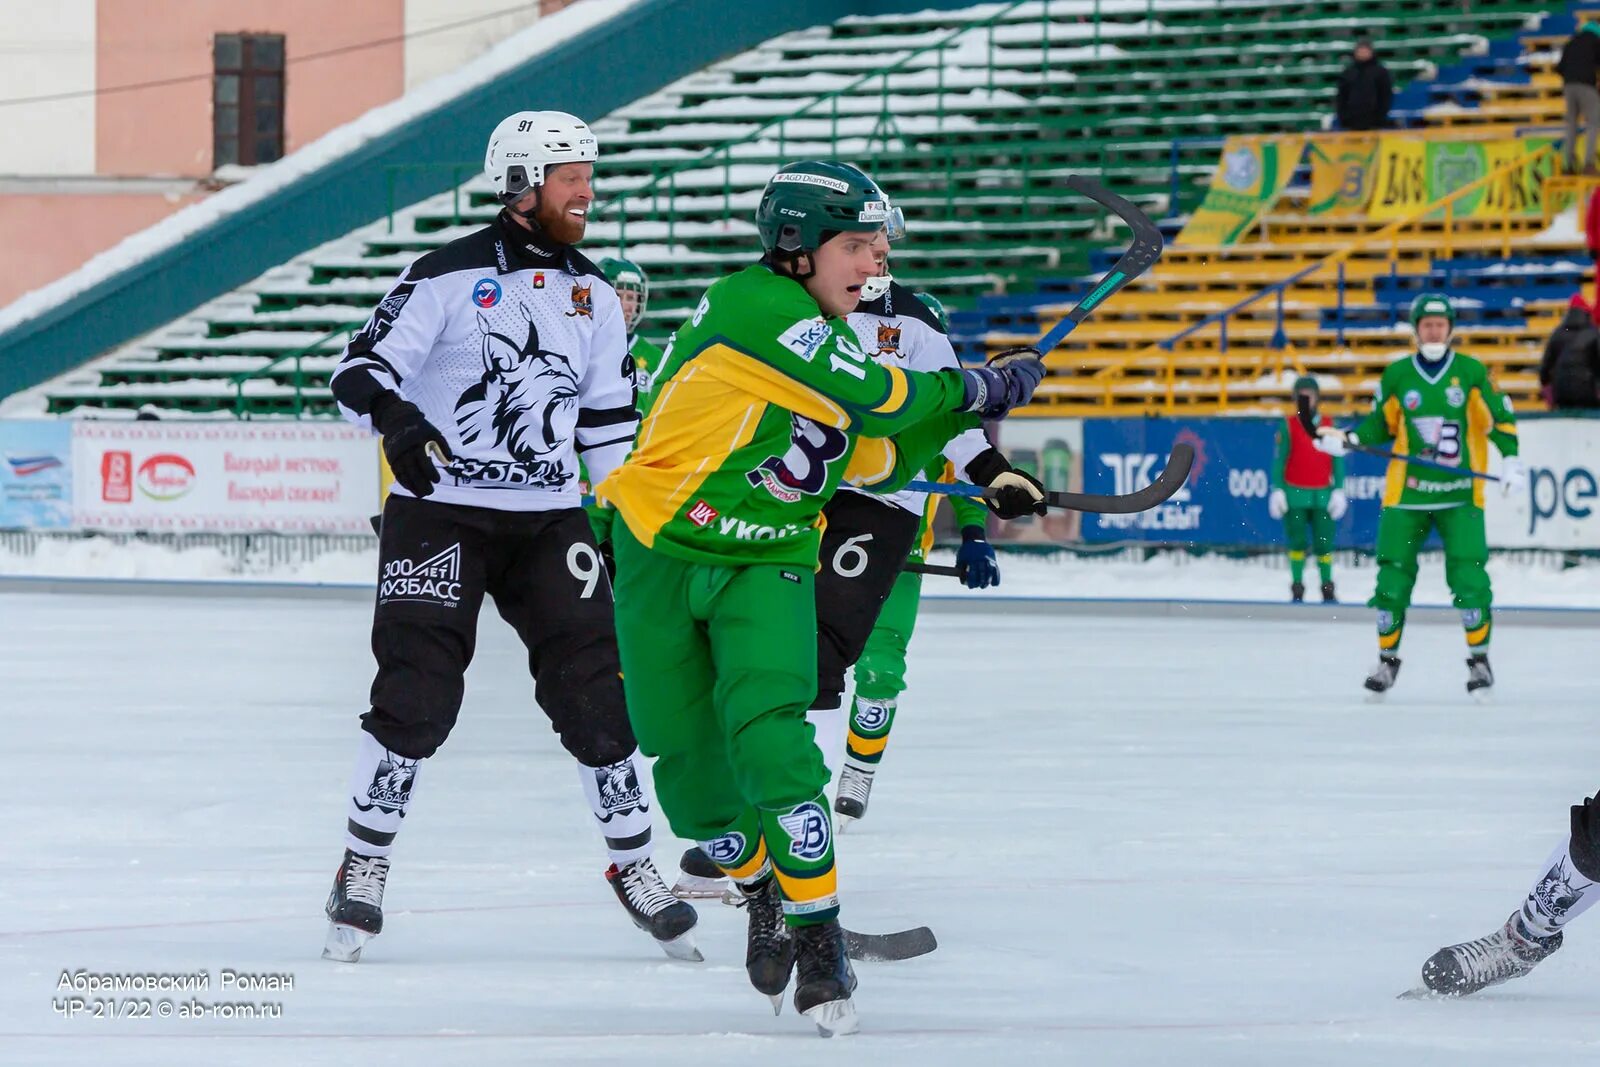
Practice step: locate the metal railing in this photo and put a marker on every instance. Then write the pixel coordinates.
(885, 129)
(241, 407)
(664, 185)
(1109, 377)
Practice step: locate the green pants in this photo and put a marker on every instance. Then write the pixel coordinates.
(719, 664)
(881, 671)
(1307, 525)
(1401, 532)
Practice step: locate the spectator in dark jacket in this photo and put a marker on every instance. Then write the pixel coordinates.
(1579, 63)
(1365, 91)
(1569, 374)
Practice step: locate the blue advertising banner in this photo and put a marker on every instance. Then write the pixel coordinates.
(36, 474)
(1224, 501)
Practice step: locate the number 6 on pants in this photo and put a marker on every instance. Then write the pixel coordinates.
(864, 545)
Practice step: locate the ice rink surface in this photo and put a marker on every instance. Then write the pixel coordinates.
(1140, 842)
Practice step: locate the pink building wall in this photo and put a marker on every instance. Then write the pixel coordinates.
(166, 131)
(44, 235)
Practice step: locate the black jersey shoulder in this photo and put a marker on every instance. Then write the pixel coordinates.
(479, 250)
(579, 265)
(490, 249)
(900, 303)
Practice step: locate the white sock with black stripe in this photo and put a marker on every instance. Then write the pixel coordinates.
(380, 795)
(621, 806)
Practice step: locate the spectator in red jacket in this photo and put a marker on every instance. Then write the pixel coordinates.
(1591, 230)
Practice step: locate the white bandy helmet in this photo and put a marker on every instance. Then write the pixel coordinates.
(525, 144)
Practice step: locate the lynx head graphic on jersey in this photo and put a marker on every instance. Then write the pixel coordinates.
(526, 400)
(582, 300)
(888, 339)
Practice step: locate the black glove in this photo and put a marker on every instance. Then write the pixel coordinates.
(1007, 381)
(1019, 493)
(411, 443)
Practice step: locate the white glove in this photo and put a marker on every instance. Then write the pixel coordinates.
(1278, 504)
(1513, 475)
(1338, 504)
(1332, 440)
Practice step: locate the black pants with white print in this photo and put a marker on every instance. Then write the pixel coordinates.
(437, 561)
(865, 544)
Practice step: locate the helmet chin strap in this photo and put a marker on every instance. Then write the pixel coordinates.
(790, 262)
(528, 216)
(537, 234)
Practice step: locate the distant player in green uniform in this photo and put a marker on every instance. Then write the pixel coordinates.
(1307, 494)
(1436, 404)
(633, 290)
(761, 405)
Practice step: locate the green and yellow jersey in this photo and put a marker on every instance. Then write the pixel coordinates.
(646, 361)
(1449, 417)
(760, 407)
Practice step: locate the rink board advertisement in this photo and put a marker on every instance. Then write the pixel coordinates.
(35, 474)
(1560, 508)
(1224, 502)
(223, 477)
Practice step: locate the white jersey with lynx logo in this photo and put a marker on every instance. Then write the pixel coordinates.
(898, 329)
(517, 353)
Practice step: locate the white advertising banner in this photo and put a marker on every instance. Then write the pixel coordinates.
(234, 477)
(1560, 508)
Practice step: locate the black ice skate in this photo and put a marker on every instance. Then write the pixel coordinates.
(355, 907)
(654, 909)
(1297, 592)
(701, 879)
(1327, 594)
(1381, 680)
(825, 979)
(855, 789)
(1509, 952)
(769, 948)
(1480, 679)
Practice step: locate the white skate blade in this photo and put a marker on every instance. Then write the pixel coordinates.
(1482, 696)
(834, 1018)
(777, 1003)
(344, 943)
(694, 887)
(1372, 697)
(841, 822)
(683, 948)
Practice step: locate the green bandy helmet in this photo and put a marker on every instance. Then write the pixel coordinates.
(934, 305)
(806, 203)
(1307, 384)
(1432, 304)
(626, 276)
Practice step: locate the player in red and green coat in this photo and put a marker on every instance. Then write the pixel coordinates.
(1307, 494)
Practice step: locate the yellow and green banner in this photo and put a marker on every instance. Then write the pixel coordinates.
(1412, 173)
(1248, 181)
(1341, 174)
